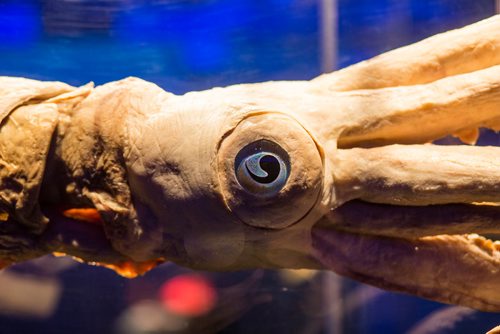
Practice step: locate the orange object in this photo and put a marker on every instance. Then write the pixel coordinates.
(130, 269)
(89, 215)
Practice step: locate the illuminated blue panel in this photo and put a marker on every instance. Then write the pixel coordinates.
(20, 23)
(217, 37)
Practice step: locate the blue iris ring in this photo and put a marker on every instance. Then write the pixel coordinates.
(262, 168)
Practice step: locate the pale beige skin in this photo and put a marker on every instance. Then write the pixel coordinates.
(365, 197)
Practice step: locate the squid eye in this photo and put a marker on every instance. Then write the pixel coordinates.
(262, 168)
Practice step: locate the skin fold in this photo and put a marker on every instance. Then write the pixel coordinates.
(335, 173)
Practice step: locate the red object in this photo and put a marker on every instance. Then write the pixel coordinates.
(188, 295)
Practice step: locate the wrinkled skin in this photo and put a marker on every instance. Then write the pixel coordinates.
(351, 183)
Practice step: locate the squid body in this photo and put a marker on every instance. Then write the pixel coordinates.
(335, 173)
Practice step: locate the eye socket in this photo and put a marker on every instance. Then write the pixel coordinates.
(262, 168)
(270, 171)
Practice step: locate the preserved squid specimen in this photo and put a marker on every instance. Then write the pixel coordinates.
(335, 173)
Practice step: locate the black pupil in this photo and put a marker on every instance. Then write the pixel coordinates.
(269, 164)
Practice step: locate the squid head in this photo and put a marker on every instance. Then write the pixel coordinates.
(335, 173)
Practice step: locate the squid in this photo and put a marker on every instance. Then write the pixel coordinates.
(336, 173)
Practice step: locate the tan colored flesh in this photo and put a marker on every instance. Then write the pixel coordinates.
(419, 114)
(418, 174)
(21, 170)
(448, 84)
(454, 52)
(449, 268)
(16, 91)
